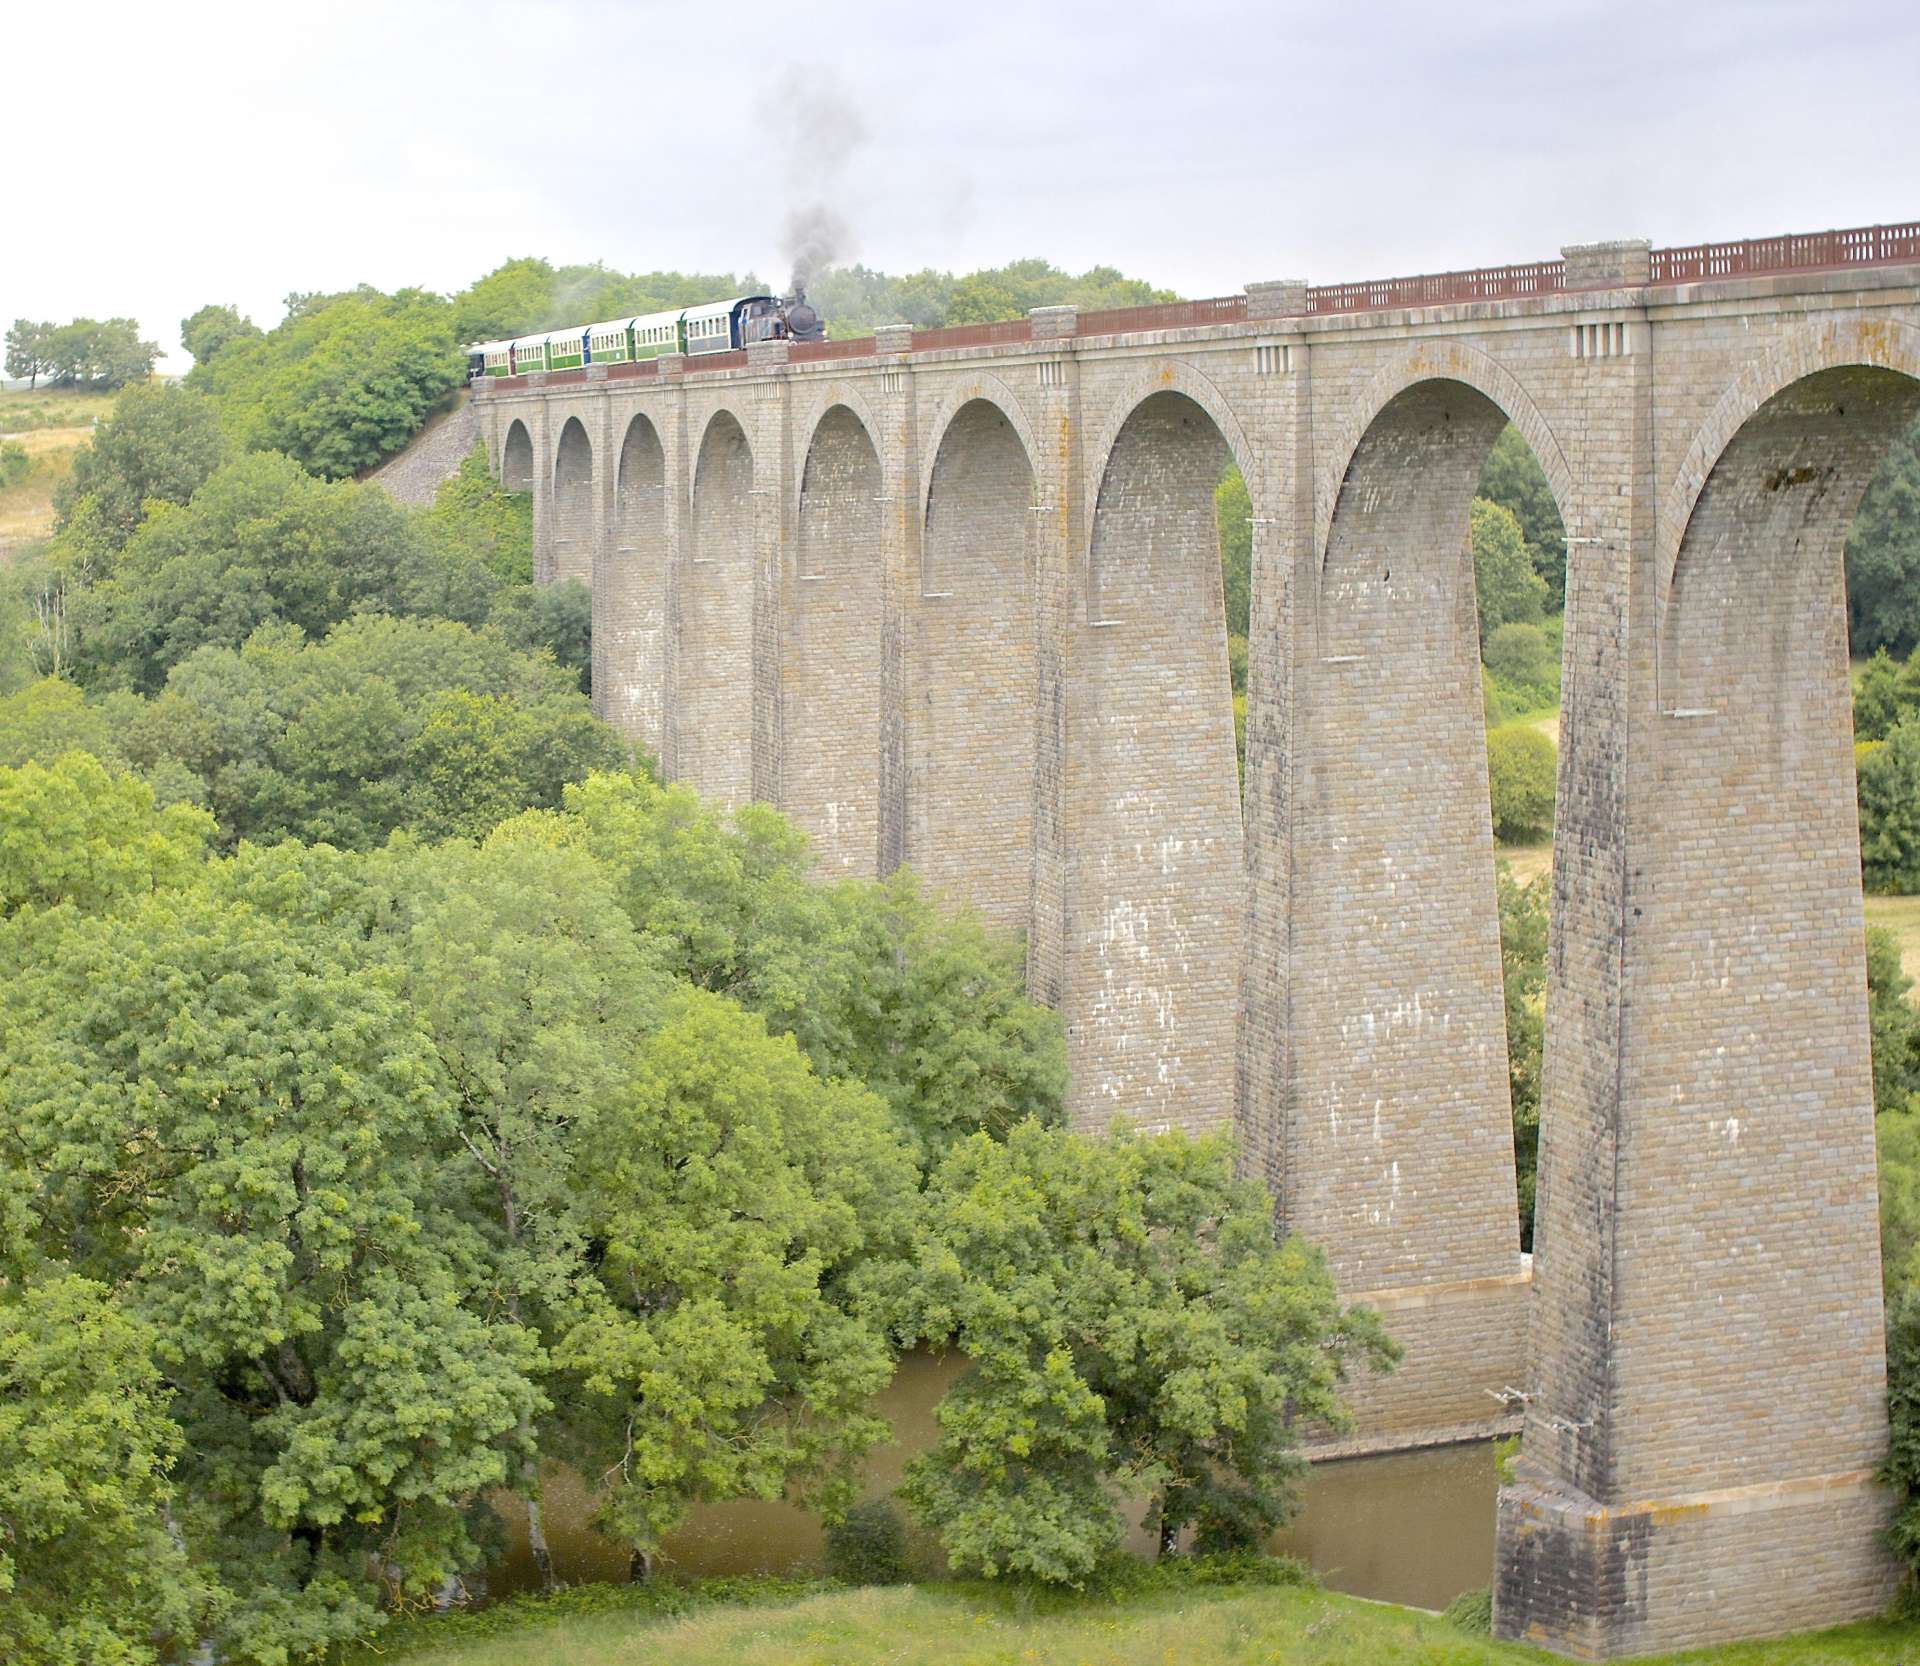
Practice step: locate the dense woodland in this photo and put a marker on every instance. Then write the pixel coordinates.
(404, 1091)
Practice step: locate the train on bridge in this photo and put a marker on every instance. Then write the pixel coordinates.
(713, 327)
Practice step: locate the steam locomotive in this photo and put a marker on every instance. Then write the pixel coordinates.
(716, 327)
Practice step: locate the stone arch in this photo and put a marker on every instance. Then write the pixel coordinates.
(630, 592)
(573, 516)
(980, 668)
(1157, 871)
(516, 458)
(1173, 376)
(990, 390)
(1746, 916)
(712, 717)
(1403, 1136)
(830, 685)
(1805, 347)
(854, 402)
(1439, 361)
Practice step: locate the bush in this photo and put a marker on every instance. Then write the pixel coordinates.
(1524, 662)
(869, 1547)
(15, 464)
(1520, 777)
(1889, 787)
(1472, 1611)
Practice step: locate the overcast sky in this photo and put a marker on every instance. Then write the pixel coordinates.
(165, 156)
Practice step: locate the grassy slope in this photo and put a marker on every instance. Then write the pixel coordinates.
(963, 1626)
(53, 427)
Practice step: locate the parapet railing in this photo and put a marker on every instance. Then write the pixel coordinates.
(1807, 252)
(802, 352)
(1482, 283)
(1167, 315)
(1797, 252)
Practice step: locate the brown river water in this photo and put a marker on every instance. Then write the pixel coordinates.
(1412, 1527)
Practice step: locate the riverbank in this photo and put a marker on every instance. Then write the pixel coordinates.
(973, 1625)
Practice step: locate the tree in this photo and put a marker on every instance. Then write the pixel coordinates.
(261, 542)
(940, 1025)
(70, 832)
(1506, 588)
(737, 1199)
(872, 981)
(97, 353)
(1521, 764)
(1522, 658)
(343, 382)
(26, 346)
(1233, 510)
(159, 446)
(348, 1388)
(205, 332)
(1884, 692)
(1514, 479)
(536, 993)
(1889, 791)
(89, 1572)
(554, 618)
(1883, 555)
(388, 724)
(50, 717)
(1523, 978)
(1132, 1325)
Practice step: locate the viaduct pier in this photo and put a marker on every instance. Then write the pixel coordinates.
(952, 598)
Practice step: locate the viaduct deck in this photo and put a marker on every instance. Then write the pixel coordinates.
(953, 599)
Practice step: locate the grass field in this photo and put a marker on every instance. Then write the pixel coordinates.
(51, 428)
(1901, 916)
(959, 1625)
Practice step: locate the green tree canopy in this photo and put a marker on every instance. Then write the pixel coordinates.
(90, 353)
(1514, 479)
(159, 445)
(1883, 555)
(261, 542)
(1507, 590)
(1885, 692)
(213, 327)
(1894, 1023)
(874, 982)
(387, 724)
(343, 382)
(1132, 1325)
(275, 1222)
(738, 1199)
(89, 1574)
(26, 349)
(1523, 978)
(1889, 791)
(71, 832)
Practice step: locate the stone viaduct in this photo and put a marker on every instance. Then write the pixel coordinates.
(952, 598)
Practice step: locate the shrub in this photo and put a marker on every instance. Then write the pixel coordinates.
(1889, 787)
(15, 464)
(869, 1547)
(1520, 777)
(1472, 1611)
(1522, 659)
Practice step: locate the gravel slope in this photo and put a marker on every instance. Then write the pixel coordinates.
(414, 475)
